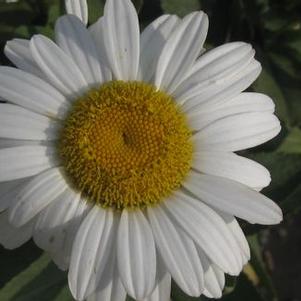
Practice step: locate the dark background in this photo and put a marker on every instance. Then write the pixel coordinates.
(273, 27)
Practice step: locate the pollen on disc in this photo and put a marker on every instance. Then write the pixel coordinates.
(125, 145)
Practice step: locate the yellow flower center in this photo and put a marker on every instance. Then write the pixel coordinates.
(125, 145)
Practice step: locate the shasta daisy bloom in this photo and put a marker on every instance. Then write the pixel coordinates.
(117, 153)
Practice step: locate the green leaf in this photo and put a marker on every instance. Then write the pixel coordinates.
(292, 142)
(40, 281)
(64, 294)
(138, 4)
(285, 173)
(15, 261)
(54, 12)
(286, 68)
(6, 33)
(180, 7)
(293, 96)
(244, 290)
(265, 284)
(284, 63)
(285, 170)
(292, 203)
(26, 32)
(95, 8)
(267, 84)
(16, 13)
(275, 24)
(230, 284)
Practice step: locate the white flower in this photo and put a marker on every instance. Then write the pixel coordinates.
(117, 153)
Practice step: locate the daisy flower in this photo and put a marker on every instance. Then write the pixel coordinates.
(117, 153)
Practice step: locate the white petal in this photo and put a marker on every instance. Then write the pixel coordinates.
(214, 238)
(12, 237)
(50, 229)
(214, 66)
(36, 195)
(178, 253)
(18, 52)
(121, 38)
(78, 8)
(234, 198)
(213, 285)
(136, 254)
(9, 191)
(6, 142)
(238, 234)
(181, 50)
(63, 254)
(97, 32)
(91, 249)
(31, 92)
(243, 103)
(238, 132)
(59, 68)
(152, 41)
(232, 166)
(162, 290)
(19, 123)
(24, 161)
(112, 291)
(220, 275)
(215, 92)
(74, 38)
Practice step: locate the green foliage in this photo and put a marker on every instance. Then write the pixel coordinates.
(95, 10)
(273, 27)
(180, 7)
(41, 280)
(244, 290)
(265, 284)
(292, 142)
(267, 84)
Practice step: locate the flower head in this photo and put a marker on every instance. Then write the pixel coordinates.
(117, 153)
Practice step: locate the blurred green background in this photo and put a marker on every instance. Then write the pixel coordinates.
(273, 27)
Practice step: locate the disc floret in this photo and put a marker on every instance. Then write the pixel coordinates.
(125, 145)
